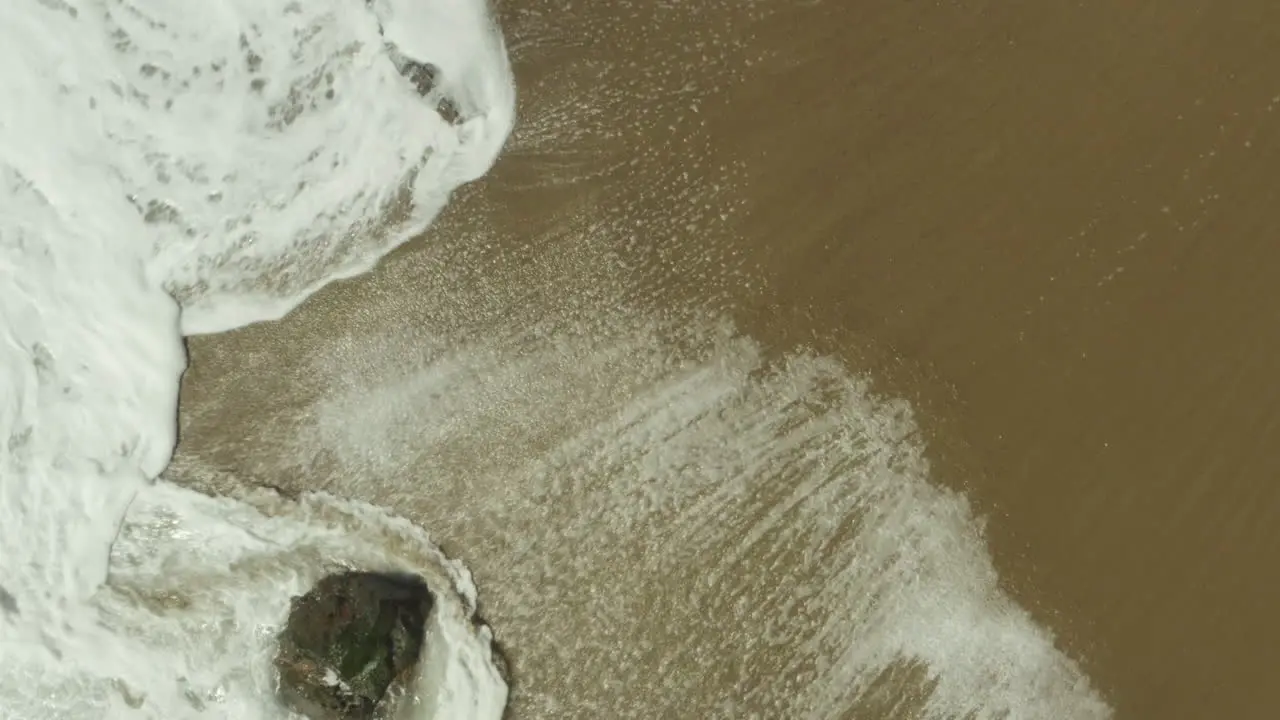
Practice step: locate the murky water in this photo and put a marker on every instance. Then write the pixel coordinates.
(714, 378)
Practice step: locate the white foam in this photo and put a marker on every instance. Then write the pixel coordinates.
(201, 586)
(239, 154)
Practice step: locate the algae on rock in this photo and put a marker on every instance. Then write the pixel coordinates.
(351, 642)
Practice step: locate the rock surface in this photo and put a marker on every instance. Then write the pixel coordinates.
(350, 642)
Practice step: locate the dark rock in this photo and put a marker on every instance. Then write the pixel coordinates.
(351, 642)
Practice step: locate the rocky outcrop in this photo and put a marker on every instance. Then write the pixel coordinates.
(351, 643)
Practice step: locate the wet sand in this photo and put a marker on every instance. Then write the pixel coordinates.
(1046, 227)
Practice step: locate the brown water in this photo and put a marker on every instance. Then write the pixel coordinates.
(1046, 227)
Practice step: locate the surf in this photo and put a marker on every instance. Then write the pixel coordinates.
(168, 169)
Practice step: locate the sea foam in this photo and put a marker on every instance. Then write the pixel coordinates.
(166, 168)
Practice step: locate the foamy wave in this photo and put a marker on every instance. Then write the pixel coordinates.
(744, 536)
(237, 154)
(200, 587)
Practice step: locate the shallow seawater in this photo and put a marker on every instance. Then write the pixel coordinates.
(595, 399)
(665, 516)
